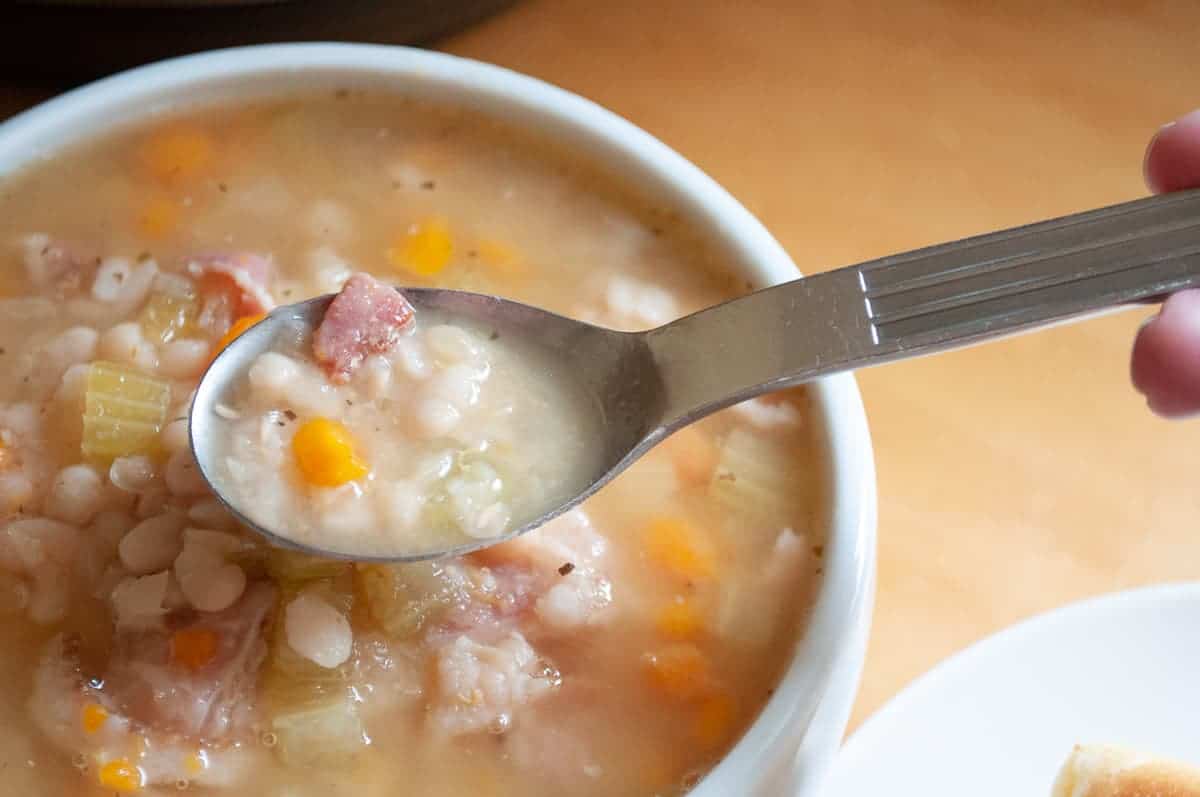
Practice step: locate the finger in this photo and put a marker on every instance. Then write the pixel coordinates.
(1166, 357)
(1173, 157)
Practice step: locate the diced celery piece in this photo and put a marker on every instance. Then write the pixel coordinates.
(289, 680)
(167, 316)
(124, 412)
(295, 569)
(328, 734)
(756, 478)
(402, 598)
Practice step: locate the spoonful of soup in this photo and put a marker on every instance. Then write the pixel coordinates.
(380, 424)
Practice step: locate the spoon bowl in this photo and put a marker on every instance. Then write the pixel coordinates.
(616, 370)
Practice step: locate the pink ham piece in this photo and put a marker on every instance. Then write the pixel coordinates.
(58, 269)
(244, 273)
(366, 318)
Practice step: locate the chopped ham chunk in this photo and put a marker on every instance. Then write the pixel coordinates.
(480, 685)
(56, 268)
(366, 318)
(243, 273)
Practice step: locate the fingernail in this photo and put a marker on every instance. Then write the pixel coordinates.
(1192, 117)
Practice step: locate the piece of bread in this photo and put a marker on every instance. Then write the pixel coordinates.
(1103, 771)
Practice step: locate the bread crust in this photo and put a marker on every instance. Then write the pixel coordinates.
(1103, 771)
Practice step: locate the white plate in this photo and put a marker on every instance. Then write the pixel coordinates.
(998, 719)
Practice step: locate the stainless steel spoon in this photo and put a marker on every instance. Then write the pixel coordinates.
(649, 384)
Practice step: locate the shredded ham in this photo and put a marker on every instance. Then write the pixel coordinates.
(211, 701)
(242, 273)
(366, 318)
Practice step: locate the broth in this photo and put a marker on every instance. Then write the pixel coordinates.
(150, 643)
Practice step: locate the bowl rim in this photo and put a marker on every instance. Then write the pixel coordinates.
(839, 615)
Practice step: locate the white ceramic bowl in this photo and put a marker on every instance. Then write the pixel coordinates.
(787, 749)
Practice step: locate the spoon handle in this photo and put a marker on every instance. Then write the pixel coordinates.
(928, 300)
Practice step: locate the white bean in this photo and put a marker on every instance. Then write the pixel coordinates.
(181, 359)
(175, 598)
(219, 542)
(410, 355)
(273, 374)
(16, 491)
(490, 522)
(120, 282)
(209, 583)
(22, 419)
(153, 544)
(375, 376)
(145, 357)
(330, 271)
(113, 574)
(51, 594)
(400, 504)
(434, 467)
(450, 344)
(175, 436)
(110, 280)
(436, 417)
(183, 475)
(14, 594)
(108, 529)
(215, 590)
(641, 303)
(122, 343)
(28, 543)
(139, 603)
(73, 386)
(133, 474)
(344, 511)
(152, 503)
(71, 347)
(318, 631)
(458, 384)
(211, 514)
(76, 495)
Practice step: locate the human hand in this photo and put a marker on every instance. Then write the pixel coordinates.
(1165, 365)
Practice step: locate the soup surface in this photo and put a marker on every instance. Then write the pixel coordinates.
(149, 644)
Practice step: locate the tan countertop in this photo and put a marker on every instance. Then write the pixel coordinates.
(1013, 478)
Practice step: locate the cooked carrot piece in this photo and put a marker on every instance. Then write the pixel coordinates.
(681, 672)
(424, 249)
(122, 776)
(324, 452)
(679, 620)
(158, 217)
(237, 328)
(713, 724)
(178, 154)
(196, 762)
(693, 454)
(502, 258)
(680, 548)
(92, 717)
(194, 647)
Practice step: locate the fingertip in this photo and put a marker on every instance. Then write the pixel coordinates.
(1172, 161)
(1165, 364)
